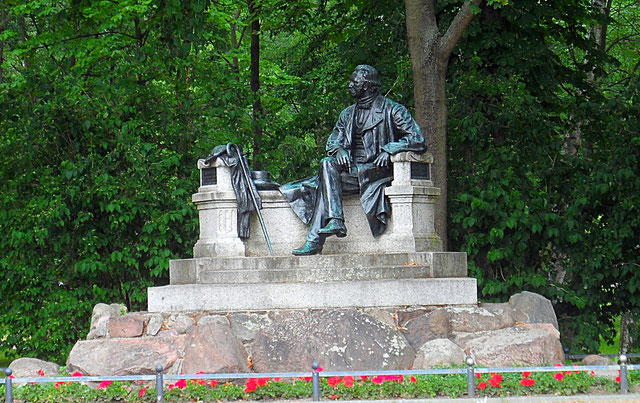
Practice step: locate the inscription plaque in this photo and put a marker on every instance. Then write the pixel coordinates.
(208, 176)
(420, 171)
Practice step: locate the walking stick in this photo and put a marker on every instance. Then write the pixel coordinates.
(247, 177)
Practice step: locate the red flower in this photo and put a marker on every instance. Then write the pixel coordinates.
(558, 365)
(559, 376)
(378, 379)
(526, 374)
(251, 385)
(142, 392)
(364, 377)
(76, 374)
(306, 378)
(482, 385)
(334, 381)
(40, 372)
(263, 381)
(527, 382)
(104, 384)
(413, 379)
(57, 385)
(348, 381)
(181, 384)
(171, 386)
(320, 369)
(277, 379)
(213, 383)
(592, 373)
(495, 380)
(334, 397)
(478, 375)
(494, 383)
(618, 379)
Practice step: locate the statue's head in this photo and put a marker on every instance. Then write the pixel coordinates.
(364, 81)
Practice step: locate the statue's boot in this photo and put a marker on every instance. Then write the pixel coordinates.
(309, 248)
(336, 227)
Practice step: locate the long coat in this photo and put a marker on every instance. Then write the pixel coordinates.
(388, 127)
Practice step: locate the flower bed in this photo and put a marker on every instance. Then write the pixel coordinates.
(343, 388)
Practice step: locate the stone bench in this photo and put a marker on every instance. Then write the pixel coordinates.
(410, 228)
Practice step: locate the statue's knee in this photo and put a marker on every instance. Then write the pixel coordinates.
(328, 162)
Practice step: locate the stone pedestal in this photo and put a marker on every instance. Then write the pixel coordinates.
(405, 266)
(217, 207)
(410, 228)
(332, 281)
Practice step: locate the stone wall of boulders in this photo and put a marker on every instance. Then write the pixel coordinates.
(522, 331)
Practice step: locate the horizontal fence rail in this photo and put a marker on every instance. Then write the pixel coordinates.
(315, 375)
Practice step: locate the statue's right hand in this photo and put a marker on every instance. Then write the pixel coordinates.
(342, 157)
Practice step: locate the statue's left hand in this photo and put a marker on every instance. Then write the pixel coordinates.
(382, 160)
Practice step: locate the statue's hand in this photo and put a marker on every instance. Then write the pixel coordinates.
(382, 160)
(342, 157)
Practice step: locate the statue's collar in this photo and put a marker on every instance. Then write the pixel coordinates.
(366, 102)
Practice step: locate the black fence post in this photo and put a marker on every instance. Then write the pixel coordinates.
(159, 385)
(471, 382)
(8, 386)
(315, 378)
(624, 380)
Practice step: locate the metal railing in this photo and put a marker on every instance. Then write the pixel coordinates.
(470, 371)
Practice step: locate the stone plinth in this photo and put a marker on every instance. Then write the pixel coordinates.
(319, 268)
(340, 294)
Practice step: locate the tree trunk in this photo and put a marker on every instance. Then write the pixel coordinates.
(430, 52)
(3, 26)
(627, 324)
(597, 33)
(258, 111)
(235, 44)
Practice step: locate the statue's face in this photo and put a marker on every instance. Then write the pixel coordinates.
(357, 85)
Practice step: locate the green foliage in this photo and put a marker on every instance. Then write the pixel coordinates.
(95, 194)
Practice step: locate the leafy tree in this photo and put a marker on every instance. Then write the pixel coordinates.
(525, 210)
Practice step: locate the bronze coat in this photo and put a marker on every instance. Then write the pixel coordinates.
(388, 127)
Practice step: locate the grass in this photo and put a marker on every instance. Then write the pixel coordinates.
(614, 348)
(4, 361)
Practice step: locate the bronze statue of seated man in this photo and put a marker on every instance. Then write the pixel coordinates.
(359, 149)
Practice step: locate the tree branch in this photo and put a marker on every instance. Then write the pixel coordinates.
(457, 27)
(618, 40)
(225, 59)
(244, 29)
